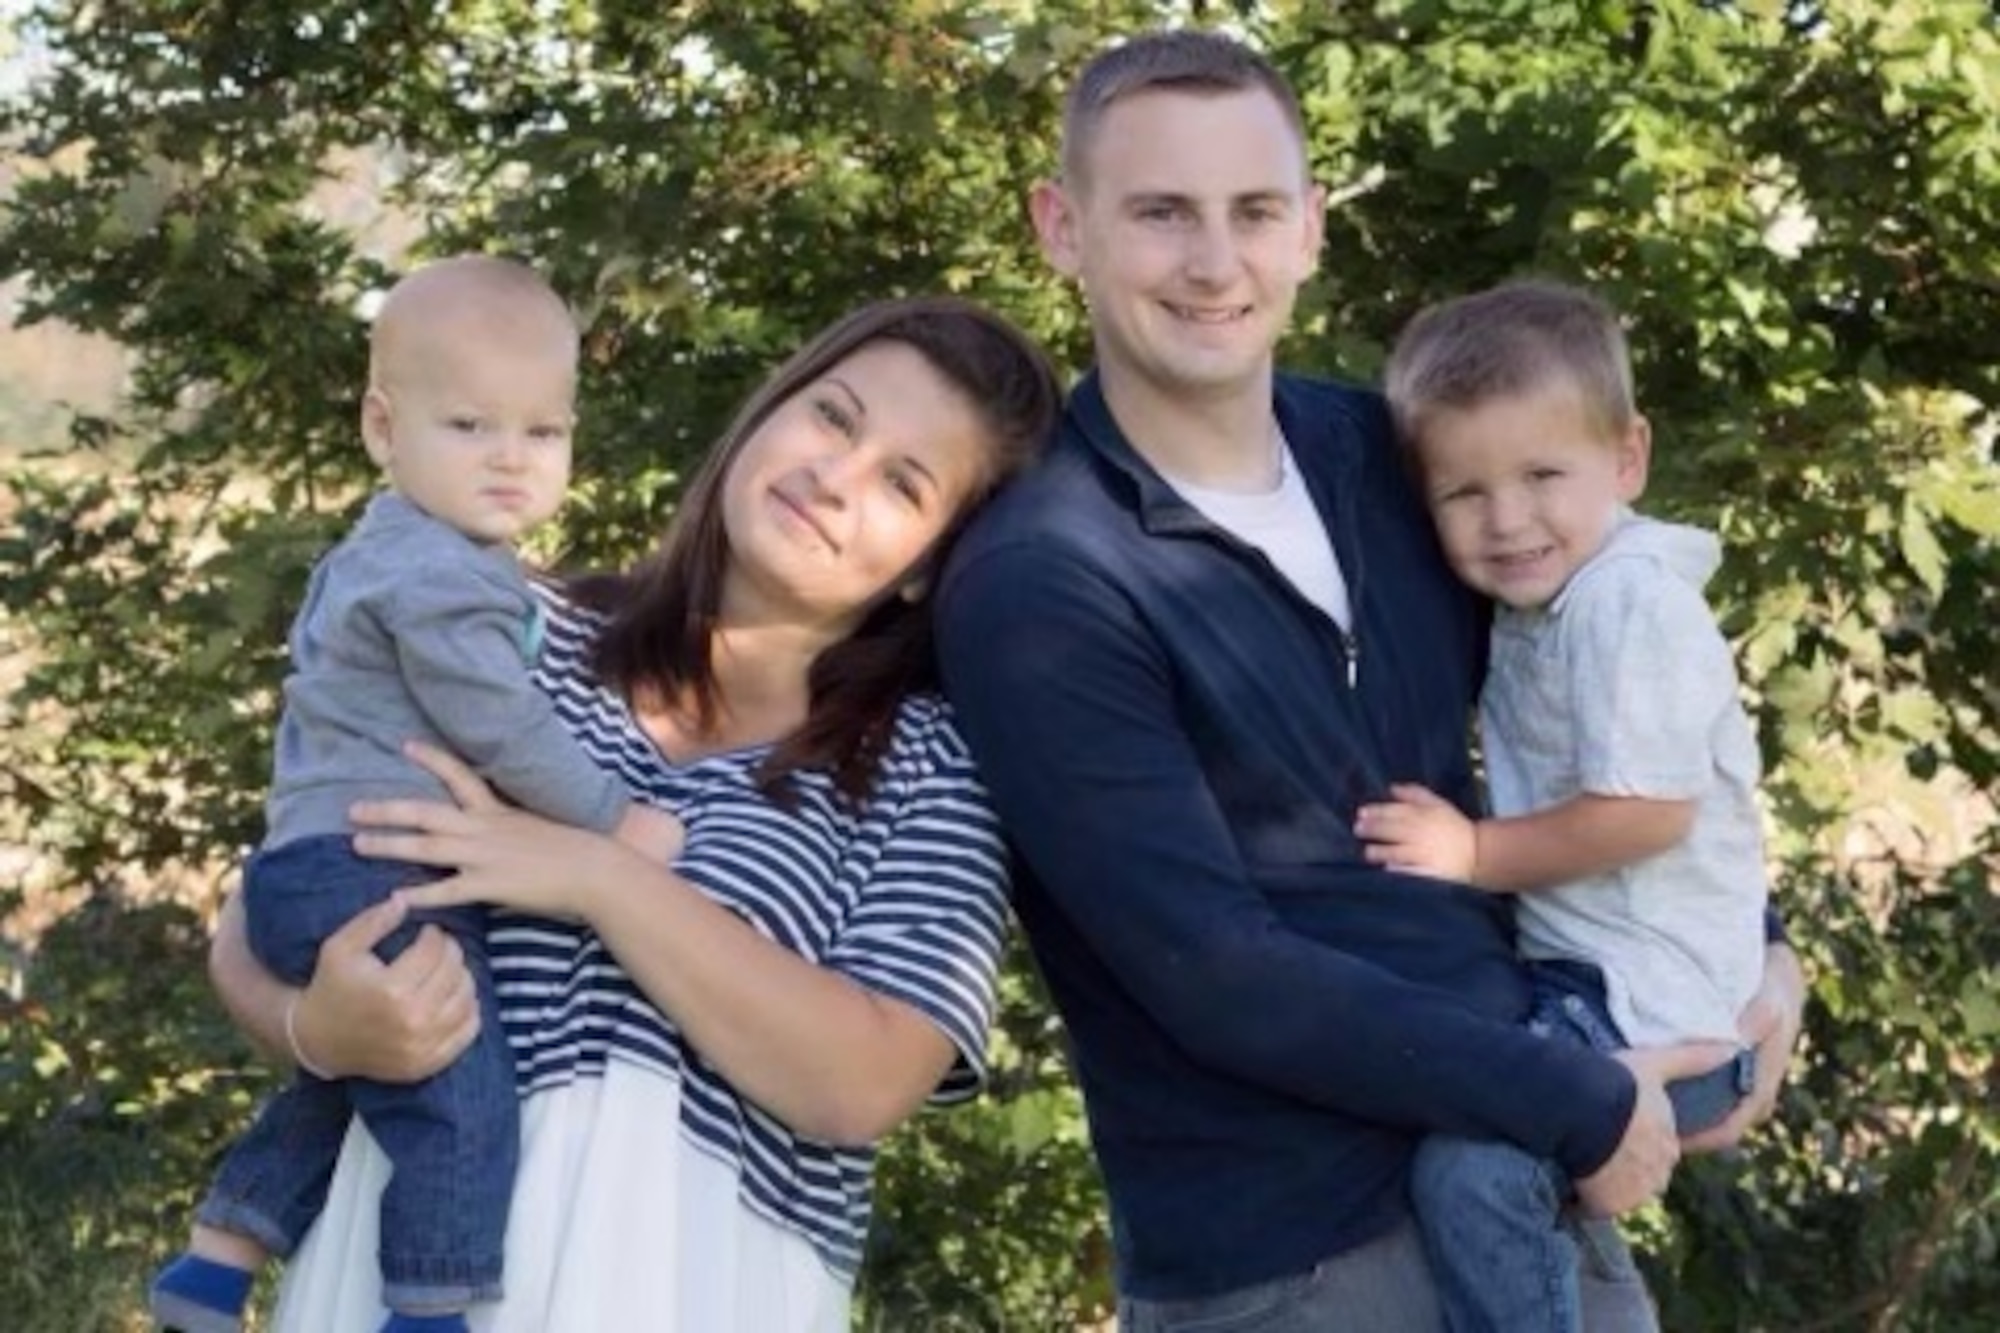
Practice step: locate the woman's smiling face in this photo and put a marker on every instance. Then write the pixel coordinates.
(838, 494)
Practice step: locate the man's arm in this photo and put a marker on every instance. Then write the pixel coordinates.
(1074, 722)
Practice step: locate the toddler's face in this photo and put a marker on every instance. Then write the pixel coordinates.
(477, 433)
(1524, 490)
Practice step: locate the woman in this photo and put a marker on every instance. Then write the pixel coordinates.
(706, 1052)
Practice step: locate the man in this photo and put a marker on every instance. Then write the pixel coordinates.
(1211, 626)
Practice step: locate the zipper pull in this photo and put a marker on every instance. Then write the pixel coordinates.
(1353, 650)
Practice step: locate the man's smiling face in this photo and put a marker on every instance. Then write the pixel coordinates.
(1190, 224)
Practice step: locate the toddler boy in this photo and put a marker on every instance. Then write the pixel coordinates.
(1621, 767)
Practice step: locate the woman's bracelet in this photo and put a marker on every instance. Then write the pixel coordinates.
(292, 1039)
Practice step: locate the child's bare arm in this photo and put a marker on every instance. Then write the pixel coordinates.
(1585, 835)
(1422, 833)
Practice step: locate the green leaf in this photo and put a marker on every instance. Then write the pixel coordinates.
(1920, 547)
(1979, 1007)
(1974, 505)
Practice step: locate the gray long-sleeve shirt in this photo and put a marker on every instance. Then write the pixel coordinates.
(413, 631)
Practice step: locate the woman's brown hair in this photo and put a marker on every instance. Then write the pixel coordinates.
(656, 646)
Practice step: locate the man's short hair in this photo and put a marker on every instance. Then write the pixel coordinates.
(1178, 60)
(1512, 340)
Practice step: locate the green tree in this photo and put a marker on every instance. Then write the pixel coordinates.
(1798, 204)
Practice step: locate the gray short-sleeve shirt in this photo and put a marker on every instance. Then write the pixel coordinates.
(1624, 686)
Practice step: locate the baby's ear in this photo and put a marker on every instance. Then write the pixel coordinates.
(375, 432)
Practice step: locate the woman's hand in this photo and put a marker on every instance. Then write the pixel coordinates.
(504, 857)
(392, 1022)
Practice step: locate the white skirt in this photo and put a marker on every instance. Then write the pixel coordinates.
(619, 1225)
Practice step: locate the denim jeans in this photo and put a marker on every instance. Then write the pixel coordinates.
(453, 1139)
(1493, 1217)
(1569, 1001)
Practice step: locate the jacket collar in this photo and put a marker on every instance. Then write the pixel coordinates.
(1311, 436)
(1162, 509)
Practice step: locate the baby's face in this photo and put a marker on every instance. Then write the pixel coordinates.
(1524, 490)
(476, 433)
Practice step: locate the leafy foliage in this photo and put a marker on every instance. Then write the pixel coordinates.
(1797, 202)
(115, 1077)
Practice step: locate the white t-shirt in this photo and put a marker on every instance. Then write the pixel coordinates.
(1284, 525)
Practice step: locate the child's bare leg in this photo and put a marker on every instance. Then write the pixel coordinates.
(226, 1247)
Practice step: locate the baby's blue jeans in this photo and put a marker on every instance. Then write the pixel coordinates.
(453, 1139)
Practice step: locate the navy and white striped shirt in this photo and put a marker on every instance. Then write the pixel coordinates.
(905, 895)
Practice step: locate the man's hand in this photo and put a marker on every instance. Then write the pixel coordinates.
(1644, 1160)
(1419, 833)
(1770, 1023)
